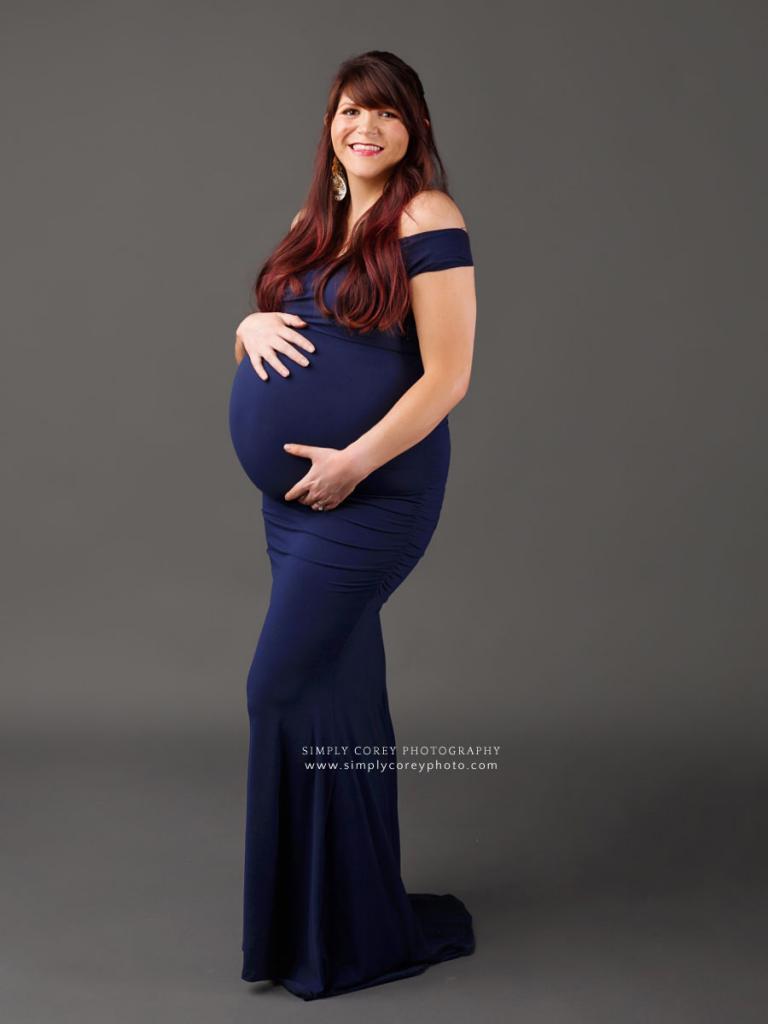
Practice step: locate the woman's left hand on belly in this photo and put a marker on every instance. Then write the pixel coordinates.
(334, 475)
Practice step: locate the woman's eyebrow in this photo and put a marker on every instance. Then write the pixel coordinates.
(375, 106)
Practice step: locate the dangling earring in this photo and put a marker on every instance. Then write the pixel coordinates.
(338, 183)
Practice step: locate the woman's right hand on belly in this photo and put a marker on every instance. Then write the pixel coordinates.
(261, 336)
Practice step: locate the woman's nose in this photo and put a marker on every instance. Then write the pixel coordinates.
(369, 123)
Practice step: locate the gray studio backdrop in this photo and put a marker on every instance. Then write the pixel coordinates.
(593, 600)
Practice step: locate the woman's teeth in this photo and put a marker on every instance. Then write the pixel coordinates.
(365, 150)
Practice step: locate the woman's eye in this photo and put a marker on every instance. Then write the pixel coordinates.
(354, 110)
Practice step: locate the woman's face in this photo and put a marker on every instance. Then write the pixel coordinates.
(381, 127)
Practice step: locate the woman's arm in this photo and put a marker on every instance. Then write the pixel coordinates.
(445, 308)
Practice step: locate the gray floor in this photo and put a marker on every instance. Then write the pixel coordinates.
(607, 883)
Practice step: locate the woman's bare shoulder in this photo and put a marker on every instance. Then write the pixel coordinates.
(430, 210)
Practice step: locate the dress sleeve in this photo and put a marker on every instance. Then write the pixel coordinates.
(436, 250)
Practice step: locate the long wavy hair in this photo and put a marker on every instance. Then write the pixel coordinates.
(374, 293)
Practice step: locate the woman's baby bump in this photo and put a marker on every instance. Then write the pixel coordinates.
(346, 388)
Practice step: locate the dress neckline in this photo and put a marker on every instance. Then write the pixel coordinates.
(432, 231)
(420, 234)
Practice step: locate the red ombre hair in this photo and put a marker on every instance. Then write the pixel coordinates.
(374, 293)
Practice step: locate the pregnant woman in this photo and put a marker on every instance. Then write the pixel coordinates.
(338, 414)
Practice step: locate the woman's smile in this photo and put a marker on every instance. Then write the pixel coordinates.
(366, 149)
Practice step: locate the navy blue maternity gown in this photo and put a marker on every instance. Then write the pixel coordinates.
(325, 909)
